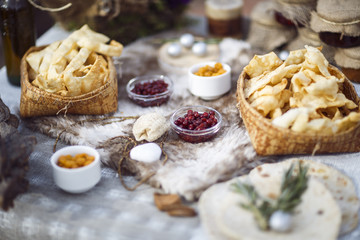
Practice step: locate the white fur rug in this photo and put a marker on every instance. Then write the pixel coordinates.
(191, 168)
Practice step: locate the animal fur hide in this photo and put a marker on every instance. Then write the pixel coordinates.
(191, 168)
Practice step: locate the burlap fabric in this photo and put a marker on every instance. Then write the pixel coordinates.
(348, 57)
(265, 32)
(298, 11)
(307, 36)
(338, 16)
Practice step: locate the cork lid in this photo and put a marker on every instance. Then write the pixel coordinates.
(339, 16)
(348, 57)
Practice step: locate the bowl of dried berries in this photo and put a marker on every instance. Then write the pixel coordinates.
(196, 123)
(76, 169)
(209, 80)
(151, 90)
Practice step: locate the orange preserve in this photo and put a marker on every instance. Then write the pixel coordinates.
(208, 71)
(79, 160)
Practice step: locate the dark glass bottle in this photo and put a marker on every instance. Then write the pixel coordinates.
(18, 34)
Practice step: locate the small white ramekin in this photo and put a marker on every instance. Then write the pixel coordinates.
(209, 88)
(76, 180)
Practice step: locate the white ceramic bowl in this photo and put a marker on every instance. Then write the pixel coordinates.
(76, 180)
(209, 88)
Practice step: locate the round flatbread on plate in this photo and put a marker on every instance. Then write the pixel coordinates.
(316, 217)
(340, 186)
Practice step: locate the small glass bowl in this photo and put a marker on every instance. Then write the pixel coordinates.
(195, 136)
(149, 100)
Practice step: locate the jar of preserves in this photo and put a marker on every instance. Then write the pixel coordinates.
(18, 34)
(224, 17)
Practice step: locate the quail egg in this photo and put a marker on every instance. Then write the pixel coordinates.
(280, 221)
(187, 40)
(199, 49)
(174, 49)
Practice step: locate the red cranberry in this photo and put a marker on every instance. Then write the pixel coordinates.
(150, 88)
(196, 121)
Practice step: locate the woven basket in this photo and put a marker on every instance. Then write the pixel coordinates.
(268, 139)
(37, 102)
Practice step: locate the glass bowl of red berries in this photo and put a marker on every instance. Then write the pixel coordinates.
(196, 123)
(151, 90)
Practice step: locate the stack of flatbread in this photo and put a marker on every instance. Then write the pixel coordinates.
(329, 206)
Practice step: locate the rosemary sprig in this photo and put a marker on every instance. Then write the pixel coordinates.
(292, 187)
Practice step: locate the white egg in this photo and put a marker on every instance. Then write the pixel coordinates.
(174, 50)
(280, 221)
(199, 49)
(187, 40)
(148, 153)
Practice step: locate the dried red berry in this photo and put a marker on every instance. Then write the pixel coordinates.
(150, 88)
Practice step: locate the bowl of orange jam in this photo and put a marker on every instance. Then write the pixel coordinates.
(209, 80)
(76, 169)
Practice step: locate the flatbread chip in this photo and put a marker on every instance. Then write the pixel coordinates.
(323, 86)
(263, 80)
(314, 58)
(264, 63)
(265, 104)
(288, 118)
(113, 49)
(299, 81)
(95, 78)
(348, 122)
(85, 31)
(295, 57)
(269, 90)
(75, 65)
(78, 60)
(36, 58)
(53, 86)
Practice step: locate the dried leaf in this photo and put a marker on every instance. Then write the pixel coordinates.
(165, 202)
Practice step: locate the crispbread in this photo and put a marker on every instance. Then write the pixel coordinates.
(340, 186)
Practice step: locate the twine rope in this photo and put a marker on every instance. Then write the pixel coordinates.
(125, 152)
(65, 108)
(316, 148)
(338, 23)
(50, 9)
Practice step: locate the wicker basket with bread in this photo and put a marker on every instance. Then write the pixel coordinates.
(73, 76)
(302, 105)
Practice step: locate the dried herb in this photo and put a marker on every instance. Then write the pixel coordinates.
(292, 187)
